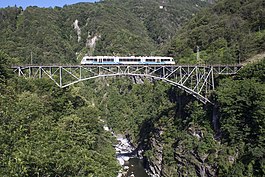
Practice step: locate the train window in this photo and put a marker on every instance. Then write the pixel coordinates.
(91, 59)
(150, 60)
(130, 59)
(165, 59)
(124, 59)
(108, 59)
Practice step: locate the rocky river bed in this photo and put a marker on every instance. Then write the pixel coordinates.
(129, 159)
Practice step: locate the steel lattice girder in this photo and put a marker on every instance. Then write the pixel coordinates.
(197, 80)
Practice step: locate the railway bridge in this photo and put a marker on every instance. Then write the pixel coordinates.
(197, 80)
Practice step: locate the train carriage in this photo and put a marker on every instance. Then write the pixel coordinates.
(152, 60)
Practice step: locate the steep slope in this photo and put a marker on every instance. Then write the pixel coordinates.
(117, 31)
(255, 58)
(111, 27)
(37, 31)
(176, 133)
(61, 34)
(228, 32)
(162, 18)
(49, 131)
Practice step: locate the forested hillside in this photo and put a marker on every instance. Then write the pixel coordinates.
(161, 18)
(46, 130)
(113, 27)
(49, 131)
(177, 132)
(228, 32)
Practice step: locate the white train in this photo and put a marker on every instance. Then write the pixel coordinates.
(127, 60)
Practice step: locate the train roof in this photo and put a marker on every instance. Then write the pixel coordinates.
(125, 57)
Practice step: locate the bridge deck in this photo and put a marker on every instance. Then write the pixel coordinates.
(114, 65)
(197, 80)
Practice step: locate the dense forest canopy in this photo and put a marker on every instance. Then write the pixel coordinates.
(225, 32)
(228, 32)
(64, 35)
(46, 130)
(49, 131)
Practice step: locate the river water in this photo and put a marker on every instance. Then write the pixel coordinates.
(132, 166)
(136, 168)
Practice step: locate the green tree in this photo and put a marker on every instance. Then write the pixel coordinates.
(242, 120)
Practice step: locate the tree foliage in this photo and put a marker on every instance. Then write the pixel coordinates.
(227, 32)
(47, 35)
(49, 131)
(242, 120)
(46, 131)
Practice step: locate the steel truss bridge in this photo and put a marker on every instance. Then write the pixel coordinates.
(197, 80)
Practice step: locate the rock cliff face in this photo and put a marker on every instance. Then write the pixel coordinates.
(189, 160)
(91, 43)
(156, 161)
(78, 30)
(176, 144)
